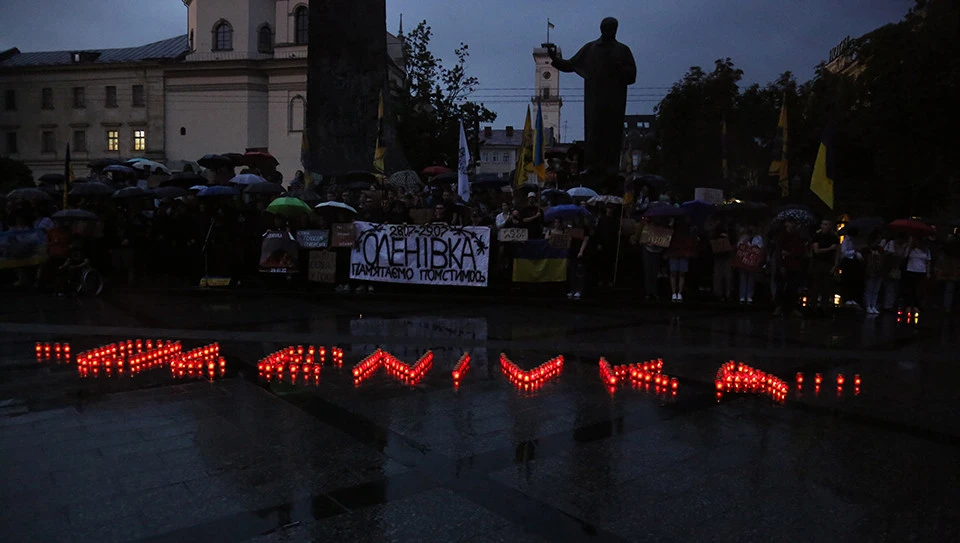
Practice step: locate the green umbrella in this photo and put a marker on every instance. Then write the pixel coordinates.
(289, 207)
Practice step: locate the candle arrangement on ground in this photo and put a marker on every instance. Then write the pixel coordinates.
(534, 378)
(647, 375)
(129, 357)
(201, 362)
(818, 381)
(463, 365)
(59, 352)
(734, 377)
(298, 362)
(411, 375)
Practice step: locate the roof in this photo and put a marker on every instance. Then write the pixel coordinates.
(499, 138)
(167, 49)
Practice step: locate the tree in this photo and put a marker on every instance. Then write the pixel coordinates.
(14, 174)
(433, 101)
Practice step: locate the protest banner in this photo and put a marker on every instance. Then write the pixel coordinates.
(322, 267)
(313, 239)
(513, 235)
(431, 254)
(656, 236)
(343, 235)
(279, 252)
(21, 248)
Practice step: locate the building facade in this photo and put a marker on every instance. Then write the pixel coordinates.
(498, 151)
(235, 82)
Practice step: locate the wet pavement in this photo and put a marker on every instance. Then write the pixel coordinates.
(251, 456)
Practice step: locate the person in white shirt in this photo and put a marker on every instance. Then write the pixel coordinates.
(504, 217)
(748, 279)
(918, 270)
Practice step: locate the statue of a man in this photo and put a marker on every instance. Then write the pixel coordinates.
(607, 68)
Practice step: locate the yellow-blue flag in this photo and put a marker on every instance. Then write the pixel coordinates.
(525, 154)
(822, 181)
(778, 166)
(539, 165)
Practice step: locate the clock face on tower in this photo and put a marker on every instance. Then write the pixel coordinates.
(546, 75)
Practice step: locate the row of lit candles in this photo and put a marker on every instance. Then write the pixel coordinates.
(299, 359)
(534, 377)
(409, 374)
(840, 380)
(50, 350)
(201, 360)
(124, 356)
(461, 368)
(741, 378)
(644, 373)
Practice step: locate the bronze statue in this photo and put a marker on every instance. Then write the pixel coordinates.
(607, 68)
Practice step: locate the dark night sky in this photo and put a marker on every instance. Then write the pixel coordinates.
(763, 37)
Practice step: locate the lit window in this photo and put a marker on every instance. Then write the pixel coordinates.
(138, 96)
(223, 37)
(48, 144)
(111, 96)
(301, 19)
(113, 140)
(80, 141)
(139, 140)
(265, 40)
(46, 98)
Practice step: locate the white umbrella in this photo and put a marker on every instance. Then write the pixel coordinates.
(144, 164)
(605, 199)
(582, 192)
(335, 205)
(247, 179)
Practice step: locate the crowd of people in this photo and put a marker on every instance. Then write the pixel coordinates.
(651, 245)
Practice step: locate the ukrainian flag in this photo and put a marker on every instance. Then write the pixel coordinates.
(539, 165)
(536, 262)
(822, 181)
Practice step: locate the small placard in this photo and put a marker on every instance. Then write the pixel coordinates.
(343, 235)
(323, 267)
(560, 241)
(512, 235)
(657, 236)
(313, 239)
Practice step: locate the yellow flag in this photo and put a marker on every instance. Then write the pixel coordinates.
(779, 165)
(822, 183)
(525, 156)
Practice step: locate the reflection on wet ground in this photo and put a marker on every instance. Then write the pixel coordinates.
(533, 442)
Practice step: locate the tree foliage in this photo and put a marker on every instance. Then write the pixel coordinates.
(433, 101)
(14, 174)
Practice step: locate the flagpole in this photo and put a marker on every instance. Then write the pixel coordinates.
(548, 29)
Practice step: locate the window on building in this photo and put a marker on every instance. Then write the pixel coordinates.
(301, 20)
(265, 39)
(79, 97)
(140, 140)
(46, 98)
(298, 112)
(80, 141)
(484, 157)
(12, 148)
(222, 36)
(10, 100)
(111, 96)
(546, 93)
(496, 157)
(113, 140)
(506, 157)
(138, 99)
(48, 144)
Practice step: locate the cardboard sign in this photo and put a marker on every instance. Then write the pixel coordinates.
(749, 257)
(657, 236)
(313, 239)
(322, 267)
(513, 235)
(560, 241)
(721, 245)
(279, 252)
(343, 235)
(710, 196)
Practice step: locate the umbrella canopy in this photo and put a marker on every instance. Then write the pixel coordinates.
(148, 165)
(52, 178)
(131, 192)
(307, 195)
(118, 168)
(490, 180)
(102, 163)
(263, 188)
(443, 179)
(653, 181)
(863, 226)
(260, 159)
(29, 194)
(357, 185)
(432, 171)
(556, 197)
(606, 199)
(288, 207)
(741, 208)
(698, 210)
(338, 206)
(215, 162)
(407, 180)
(797, 214)
(247, 179)
(196, 188)
(565, 212)
(183, 180)
(582, 192)
(912, 227)
(664, 210)
(75, 215)
(170, 192)
(217, 191)
(91, 189)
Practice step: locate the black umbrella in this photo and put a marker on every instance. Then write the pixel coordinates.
(75, 215)
(131, 192)
(863, 226)
(263, 188)
(357, 185)
(741, 208)
(170, 192)
(443, 179)
(489, 180)
(91, 189)
(31, 194)
(184, 180)
(102, 163)
(556, 197)
(308, 196)
(653, 181)
(52, 178)
(215, 162)
(236, 159)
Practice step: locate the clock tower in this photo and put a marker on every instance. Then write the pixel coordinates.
(547, 87)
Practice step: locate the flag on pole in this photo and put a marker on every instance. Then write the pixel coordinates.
(67, 175)
(463, 180)
(822, 181)
(550, 25)
(779, 165)
(381, 150)
(539, 165)
(723, 146)
(525, 156)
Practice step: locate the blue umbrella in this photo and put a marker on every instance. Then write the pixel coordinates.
(664, 210)
(218, 190)
(582, 192)
(118, 168)
(698, 210)
(565, 212)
